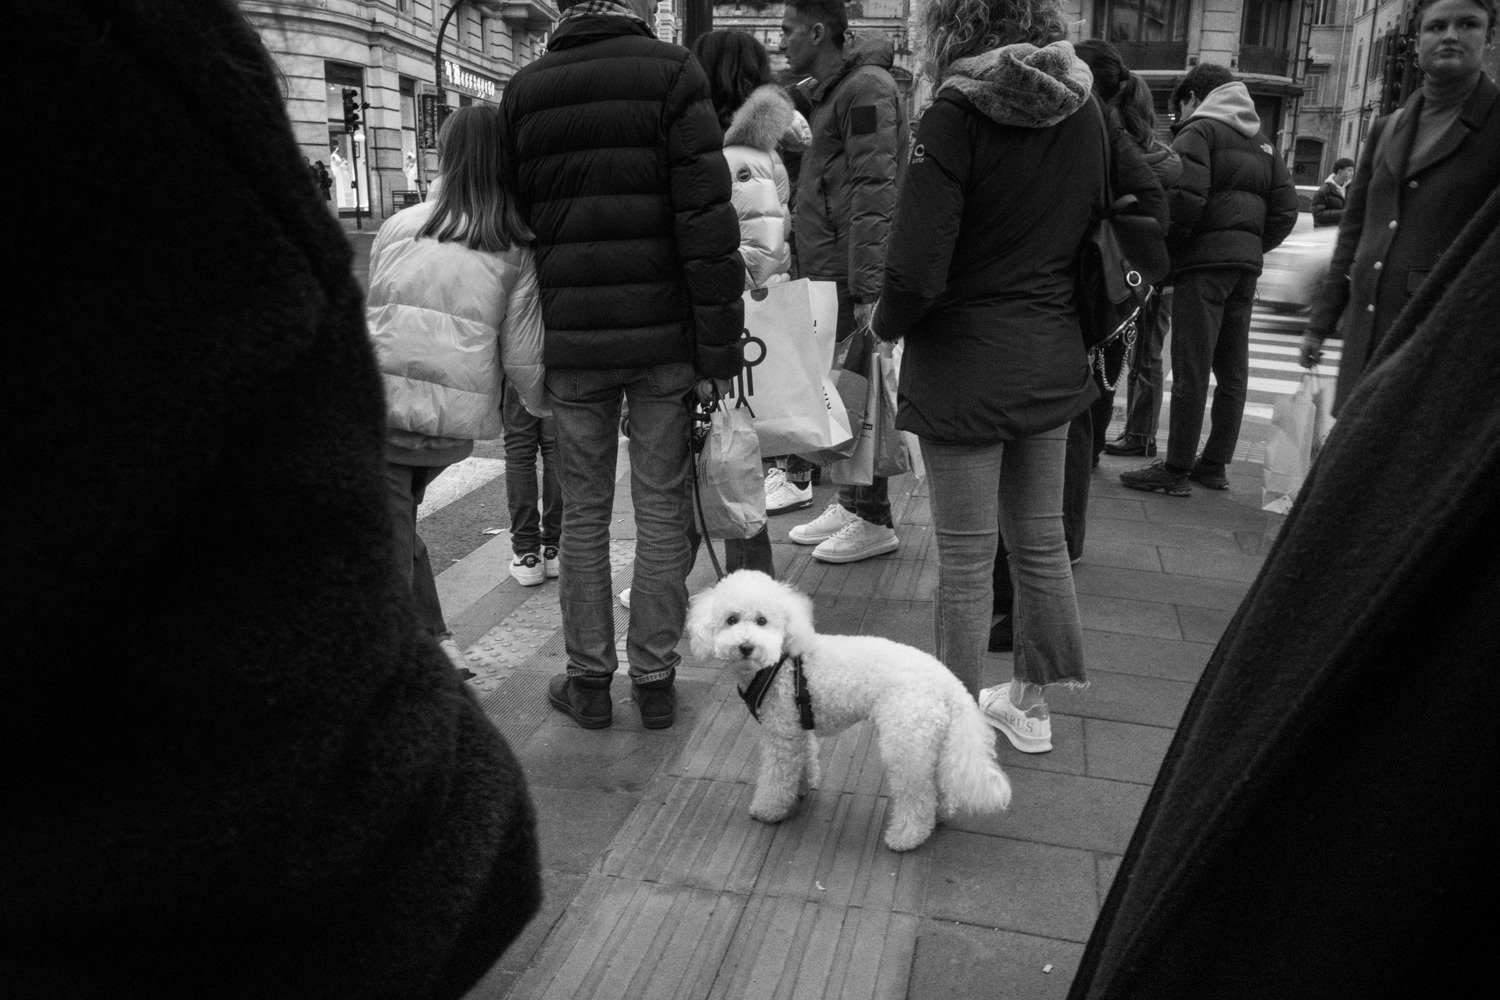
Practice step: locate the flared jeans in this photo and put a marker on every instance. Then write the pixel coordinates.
(1014, 488)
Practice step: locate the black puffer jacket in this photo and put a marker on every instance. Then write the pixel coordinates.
(1236, 199)
(979, 276)
(620, 171)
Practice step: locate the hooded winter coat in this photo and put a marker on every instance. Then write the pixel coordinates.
(1006, 174)
(760, 185)
(445, 320)
(1236, 198)
(846, 192)
(1328, 203)
(272, 783)
(620, 172)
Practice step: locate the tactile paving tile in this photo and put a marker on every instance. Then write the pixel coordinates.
(501, 650)
(518, 705)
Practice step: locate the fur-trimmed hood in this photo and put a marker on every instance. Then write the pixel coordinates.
(1023, 85)
(762, 120)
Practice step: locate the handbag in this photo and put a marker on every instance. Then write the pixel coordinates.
(879, 450)
(788, 350)
(728, 477)
(1122, 255)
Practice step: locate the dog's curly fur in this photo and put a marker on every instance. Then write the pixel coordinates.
(938, 752)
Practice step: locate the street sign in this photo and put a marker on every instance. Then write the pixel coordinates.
(430, 117)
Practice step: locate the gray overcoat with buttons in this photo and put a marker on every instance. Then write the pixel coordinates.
(1399, 219)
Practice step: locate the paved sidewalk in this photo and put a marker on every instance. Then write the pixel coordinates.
(660, 885)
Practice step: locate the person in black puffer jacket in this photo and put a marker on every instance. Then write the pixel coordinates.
(236, 765)
(620, 172)
(1235, 202)
(1328, 203)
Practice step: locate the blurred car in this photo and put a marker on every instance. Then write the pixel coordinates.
(1291, 273)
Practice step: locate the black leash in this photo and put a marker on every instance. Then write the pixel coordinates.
(701, 416)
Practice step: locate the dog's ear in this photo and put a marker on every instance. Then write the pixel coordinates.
(702, 622)
(799, 622)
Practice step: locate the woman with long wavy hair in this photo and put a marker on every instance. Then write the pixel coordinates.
(454, 315)
(1007, 168)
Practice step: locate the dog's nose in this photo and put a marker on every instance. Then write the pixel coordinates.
(746, 649)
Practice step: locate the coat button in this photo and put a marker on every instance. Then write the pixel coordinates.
(1393, 224)
(1412, 184)
(1370, 308)
(1377, 265)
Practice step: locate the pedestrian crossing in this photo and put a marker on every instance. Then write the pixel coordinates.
(1274, 370)
(458, 481)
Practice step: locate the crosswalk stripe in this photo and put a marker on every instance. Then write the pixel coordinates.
(459, 480)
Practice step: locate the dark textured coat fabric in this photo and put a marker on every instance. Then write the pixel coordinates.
(1234, 202)
(620, 170)
(846, 193)
(980, 270)
(1328, 205)
(1323, 823)
(233, 765)
(1398, 222)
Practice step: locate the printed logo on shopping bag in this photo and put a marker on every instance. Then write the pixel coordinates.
(744, 382)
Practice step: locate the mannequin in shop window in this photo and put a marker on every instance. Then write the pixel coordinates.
(343, 178)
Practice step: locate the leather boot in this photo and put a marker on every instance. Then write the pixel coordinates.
(658, 704)
(583, 699)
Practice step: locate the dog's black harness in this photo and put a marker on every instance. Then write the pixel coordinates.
(760, 685)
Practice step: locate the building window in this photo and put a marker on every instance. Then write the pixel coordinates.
(1326, 11)
(1312, 89)
(404, 6)
(484, 35)
(1265, 36)
(1358, 65)
(1307, 162)
(1150, 34)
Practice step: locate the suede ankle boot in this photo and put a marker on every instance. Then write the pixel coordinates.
(583, 699)
(658, 704)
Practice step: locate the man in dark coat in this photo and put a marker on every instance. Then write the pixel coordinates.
(1323, 824)
(1235, 202)
(1328, 203)
(235, 766)
(619, 168)
(1423, 173)
(846, 198)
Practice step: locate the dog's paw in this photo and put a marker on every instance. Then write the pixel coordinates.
(769, 809)
(906, 836)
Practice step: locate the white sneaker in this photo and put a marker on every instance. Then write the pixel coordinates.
(859, 539)
(550, 562)
(527, 570)
(625, 598)
(1029, 731)
(782, 495)
(824, 526)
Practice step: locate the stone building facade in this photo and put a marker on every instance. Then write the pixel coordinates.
(386, 50)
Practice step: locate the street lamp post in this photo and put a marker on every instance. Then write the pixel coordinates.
(437, 51)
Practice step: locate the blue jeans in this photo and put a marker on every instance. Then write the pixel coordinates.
(535, 521)
(1210, 333)
(405, 485)
(1143, 394)
(978, 493)
(586, 407)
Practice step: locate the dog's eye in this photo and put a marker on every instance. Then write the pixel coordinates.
(760, 619)
(732, 620)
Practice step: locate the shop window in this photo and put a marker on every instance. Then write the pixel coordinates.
(1307, 162)
(1150, 34)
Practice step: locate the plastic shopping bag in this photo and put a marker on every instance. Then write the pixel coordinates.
(789, 338)
(730, 486)
(1299, 424)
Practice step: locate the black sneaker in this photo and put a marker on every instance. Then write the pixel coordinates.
(1209, 474)
(658, 704)
(586, 702)
(1157, 476)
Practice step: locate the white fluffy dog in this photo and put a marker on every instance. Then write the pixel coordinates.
(938, 752)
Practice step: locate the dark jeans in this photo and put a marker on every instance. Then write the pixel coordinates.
(871, 502)
(535, 521)
(405, 486)
(1144, 391)
(739, 553)
(1211, 333)
(586, 405)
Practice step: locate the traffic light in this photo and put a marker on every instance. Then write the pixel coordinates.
(351, 110)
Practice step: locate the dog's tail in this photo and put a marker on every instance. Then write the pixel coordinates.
(969, 778)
